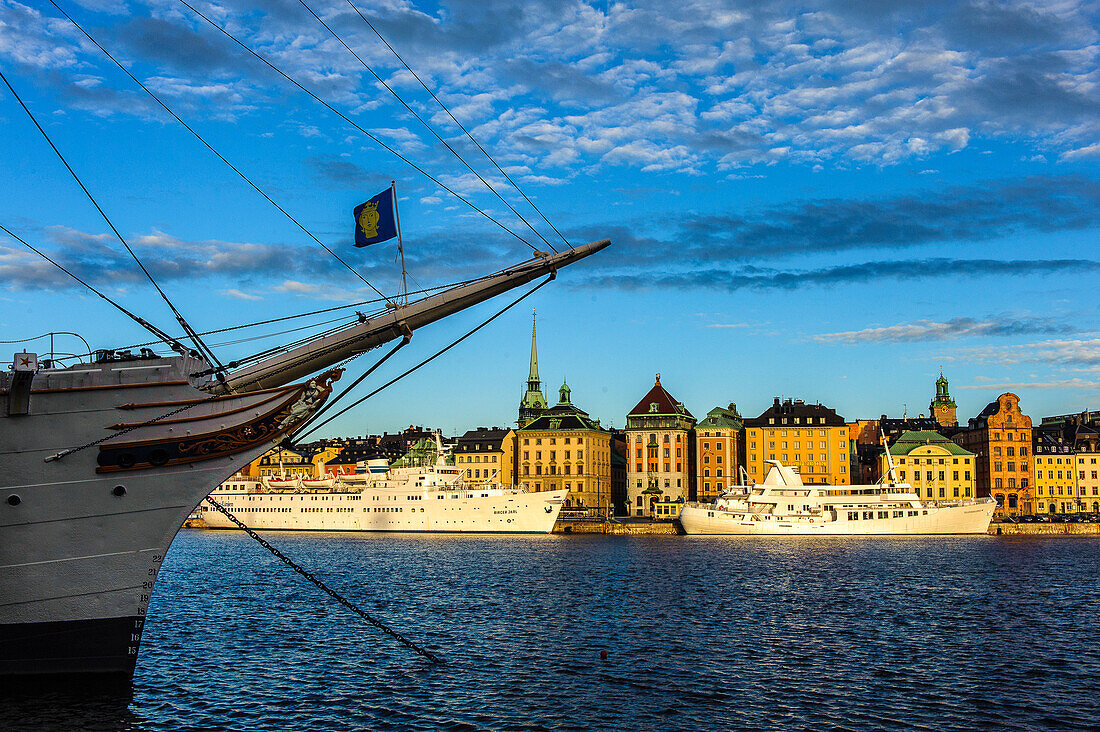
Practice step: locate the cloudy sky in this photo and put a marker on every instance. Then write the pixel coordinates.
(827, 201)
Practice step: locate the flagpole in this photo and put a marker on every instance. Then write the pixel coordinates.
(400, 244)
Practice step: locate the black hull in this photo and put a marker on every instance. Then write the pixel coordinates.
(105, 647)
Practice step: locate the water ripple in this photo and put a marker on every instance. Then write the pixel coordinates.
(702, 633)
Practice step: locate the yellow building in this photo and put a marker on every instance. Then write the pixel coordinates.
(718, 453)
(1088, 479)
(811, 437)
(487, 455)
(1065, 469)
(660, 465)
(282, 462)
(936, 467)
(1000, 437)
(322, 458)
(565, 448)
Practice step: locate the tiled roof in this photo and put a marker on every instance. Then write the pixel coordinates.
(911, 440)
(722, 417)
(666, 404)
(486, 438)
(563, 421)
(786, 412)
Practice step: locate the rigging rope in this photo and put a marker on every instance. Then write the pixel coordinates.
(426, 125)
(347, 390)
(206, 352)
(354, 124)
(160, 334)
(461, 127)
(312, 312)
(324, 587)
(209, 147)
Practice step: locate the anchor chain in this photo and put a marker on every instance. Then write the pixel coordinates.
(327, 590)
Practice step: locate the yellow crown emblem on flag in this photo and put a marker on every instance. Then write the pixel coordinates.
(368, 219)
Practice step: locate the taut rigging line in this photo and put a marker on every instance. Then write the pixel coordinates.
(460, 126)
(202, 348)
(209, 147)
(356, 125)
(427, 126)
(160, 334)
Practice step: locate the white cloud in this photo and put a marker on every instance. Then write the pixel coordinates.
(231, 292)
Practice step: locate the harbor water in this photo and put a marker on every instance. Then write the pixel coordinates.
(701, 633)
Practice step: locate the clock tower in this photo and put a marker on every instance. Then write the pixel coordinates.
(942, 407)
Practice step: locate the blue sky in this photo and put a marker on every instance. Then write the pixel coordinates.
(820, 201)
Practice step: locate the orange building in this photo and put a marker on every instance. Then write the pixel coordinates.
(810, 437)
(1000, 437)
(720, 452)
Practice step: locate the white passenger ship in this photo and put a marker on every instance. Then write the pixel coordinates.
(433, 498)
(782, 504)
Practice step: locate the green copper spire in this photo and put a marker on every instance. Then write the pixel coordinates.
(942, 407)
(533, 404)
(563, 393)
(533, 382)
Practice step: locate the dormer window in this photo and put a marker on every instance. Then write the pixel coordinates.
(653, 407)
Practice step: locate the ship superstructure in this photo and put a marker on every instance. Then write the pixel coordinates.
(411, 499)
(783, 504)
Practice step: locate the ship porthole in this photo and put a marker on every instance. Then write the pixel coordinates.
(126, 460)
(158, 457)
(118, 491)
(14, 500)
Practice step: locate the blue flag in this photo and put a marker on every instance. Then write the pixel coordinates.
(374, 219)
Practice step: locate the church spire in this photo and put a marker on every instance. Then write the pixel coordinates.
(533, 376)
(533, 404)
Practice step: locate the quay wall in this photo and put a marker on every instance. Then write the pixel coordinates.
(672, 528)
(627, 528)
(1077, 529)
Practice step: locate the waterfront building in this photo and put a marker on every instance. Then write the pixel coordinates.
(533, 403)
(866, 438)
(567, 449)
(810, 437)
(423, 453)
(354, 454)
(282, 461)
(864, 451)
(937, 468)
(394, 447)
(1087, 446)
(487, 455)
(942, 407)
(893, 427)
(1000, 437)
(618, 472)
(1065, 467)
(1054, 467)
(320, 455)
(719, 452)
(659, 432)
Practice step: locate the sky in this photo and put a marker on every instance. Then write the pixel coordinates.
(826, 201)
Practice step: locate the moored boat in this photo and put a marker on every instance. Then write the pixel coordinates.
(784, 505)
(428, 498)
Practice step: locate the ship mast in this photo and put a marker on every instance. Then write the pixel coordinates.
(323, 351)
